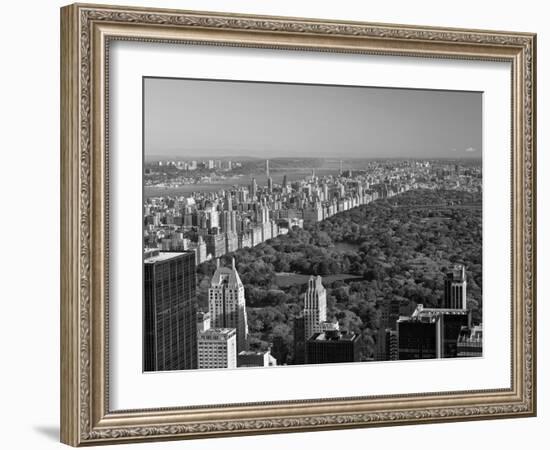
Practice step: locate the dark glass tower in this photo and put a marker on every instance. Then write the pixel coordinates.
(299, 340)
(333, 347)
(170, 322)
(431, 333)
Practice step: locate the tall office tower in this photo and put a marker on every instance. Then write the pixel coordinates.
(270, 185)
(333, 346)
(170, 318)
(234, 221)
(455, 288)
(342, 191)
(389, 309)
(226, 221)
(229, 221)
(215, 244)
(315, 306)
(217, 349)
(417, 339)
(242, 196)
(341, 170)
(431, 332)
(253, 189)
(227, 303)
(284, 182)
(228, 201)
(213, 218)
(299, 340)
(232, 242)
(267, 168)
(390, 312)
(264, 211)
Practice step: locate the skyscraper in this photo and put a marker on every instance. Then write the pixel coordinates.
(170, 324)
(315, 306)
(215, 244)
(332, 346)
(228, 201)
(417, 338)
(253, 189)
(431, 332)
(227, 303)
(455, 288)
(299, 340)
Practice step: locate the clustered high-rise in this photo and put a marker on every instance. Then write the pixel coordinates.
(440, 332)
(184, 232)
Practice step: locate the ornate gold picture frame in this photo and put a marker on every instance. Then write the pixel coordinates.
(86, 34)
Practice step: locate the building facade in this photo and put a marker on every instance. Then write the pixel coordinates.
(217, 349)
(203, 321)
(248, 358)
(470, 342)
(455, 288)
(315, 306)
(332, 346)
(299, 340)
(170, 323)
(431, 332)
(227, 304)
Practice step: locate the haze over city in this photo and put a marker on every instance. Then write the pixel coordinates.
(188, 118)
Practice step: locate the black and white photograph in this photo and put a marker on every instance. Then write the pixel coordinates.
(288, 224)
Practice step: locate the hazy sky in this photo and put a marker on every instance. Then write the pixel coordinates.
(221, 118)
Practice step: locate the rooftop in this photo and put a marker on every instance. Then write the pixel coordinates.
(227, 276)
(152, 256)
(334, 337)
(253, 353)
(420, 311)
(227, 332)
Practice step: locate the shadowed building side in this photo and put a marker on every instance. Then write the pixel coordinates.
(170, 323)
(431, 332)
(227, 304)
(315, 306)
(333, 346)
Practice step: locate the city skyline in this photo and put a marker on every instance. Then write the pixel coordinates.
(285, 270)
(312, 224)
(188, 118)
